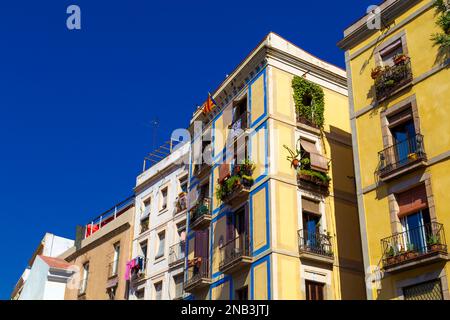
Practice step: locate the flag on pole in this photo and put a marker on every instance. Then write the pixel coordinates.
(209, 105)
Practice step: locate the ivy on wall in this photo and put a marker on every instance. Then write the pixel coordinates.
(309, 101)
(442, 39)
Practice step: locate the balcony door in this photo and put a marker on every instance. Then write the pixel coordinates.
(415, 232)
(403, 136)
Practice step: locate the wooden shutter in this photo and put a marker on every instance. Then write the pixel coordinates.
(310, 206)
(318, 162)
(412, 201)
(224, 172)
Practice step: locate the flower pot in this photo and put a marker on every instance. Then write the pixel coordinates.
(391, 260)
(376, 73)
(400, 59)
(295, 163)
(411, 255)
(437, 247)
(401, 257)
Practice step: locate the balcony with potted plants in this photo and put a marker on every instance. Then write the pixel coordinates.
(311, 169)
(200, 214)
(415, 247)
(315, 246)
(401, 157)
(309, 105)
(235, 254)
(389, 80)
(198, 274)
(235, 185)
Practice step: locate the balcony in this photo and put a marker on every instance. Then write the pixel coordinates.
(239, 125)
(181, 202)
(176, 254)
(235, 254)
(198, 274)
(236, 187)
(415, 247)
(315, 246)
(200, 214)
(391, 80)
(401, 157)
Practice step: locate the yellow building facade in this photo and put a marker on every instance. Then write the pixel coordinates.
(260, 224)
(399, 92)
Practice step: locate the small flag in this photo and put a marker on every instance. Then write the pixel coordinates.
(209, 105)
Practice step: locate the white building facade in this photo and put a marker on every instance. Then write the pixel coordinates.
(160, 229)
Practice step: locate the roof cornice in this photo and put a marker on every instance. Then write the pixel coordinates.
(359, 31)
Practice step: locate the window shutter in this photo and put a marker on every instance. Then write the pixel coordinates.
(318, 162)
(311, 206)
(412, 201)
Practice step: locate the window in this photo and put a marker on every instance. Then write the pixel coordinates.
(239, 115)
(158, 290)
(115, 262)
(163, 199)
(388, 53)
(178, 280)
(147, 207)
(184, 184)
(431, 290)
(84, 280)
(314, 290)
(162, 244)
(140, 294)
(143, 246)
(242, 294)
(415, 219)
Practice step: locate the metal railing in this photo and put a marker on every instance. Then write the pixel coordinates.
(414, 243)
(315, 242)
(203, 207)
(393, 78)
(235, 249)
(108, 216)
(240, 124)
(176, 252)
(401, 154)
(199, 269)
(113, 268)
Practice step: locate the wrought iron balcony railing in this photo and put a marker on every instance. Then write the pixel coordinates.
(316, 243)
(392, 79)
(200, 211)
(176, 253)
(413, 244)
(401, 154)
(235, 251)
(197, 273)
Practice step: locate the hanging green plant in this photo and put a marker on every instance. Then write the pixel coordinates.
(309, 101)
(442, 39)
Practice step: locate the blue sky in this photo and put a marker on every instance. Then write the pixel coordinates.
(76, 106)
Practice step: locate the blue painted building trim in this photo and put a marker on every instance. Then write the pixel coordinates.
(267, 245)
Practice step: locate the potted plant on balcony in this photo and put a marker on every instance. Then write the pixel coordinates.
(376, 72)
(390, 256)
(293, 157)
(412, 156)
(400, 58)
(434, 243)
(411, 253)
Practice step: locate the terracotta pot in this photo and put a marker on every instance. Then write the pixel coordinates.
(411, 255)
(436, 247)
(375, 74)
(295, 163)
(391, 260)
(400, 60)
